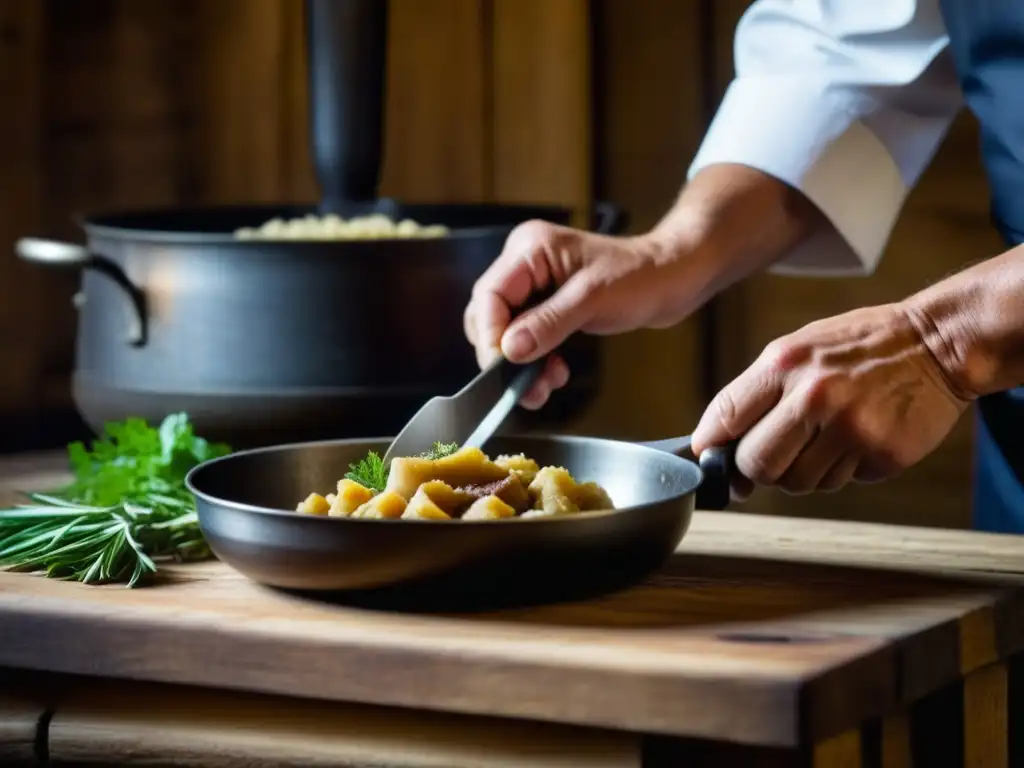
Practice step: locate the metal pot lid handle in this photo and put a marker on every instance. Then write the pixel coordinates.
(56, 253)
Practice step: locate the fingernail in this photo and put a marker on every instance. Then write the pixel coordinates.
(489, 355)
(519, 345)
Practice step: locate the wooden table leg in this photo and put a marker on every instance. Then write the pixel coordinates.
(842, 751)
(986, 718)
(20, 721)
(895, 748)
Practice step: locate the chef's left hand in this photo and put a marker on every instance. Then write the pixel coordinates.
(853, 397)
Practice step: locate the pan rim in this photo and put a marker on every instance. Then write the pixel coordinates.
(237, 506)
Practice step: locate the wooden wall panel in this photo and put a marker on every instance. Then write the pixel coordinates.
(118, 76)
(21, 315)
(541, 102)
(242, 100)
(437, 144)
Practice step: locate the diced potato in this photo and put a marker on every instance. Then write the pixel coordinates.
(525, 469)
(429, 512)
(488, 508)
(444, 496)
(436, 500)
(422, 507)
(552, 490)
(467, 466)
(532, 514)
(384, 506)
(314, 504)
(407, 474)
(351, 496)
(591, 496)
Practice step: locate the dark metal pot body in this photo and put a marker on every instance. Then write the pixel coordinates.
(262, 341)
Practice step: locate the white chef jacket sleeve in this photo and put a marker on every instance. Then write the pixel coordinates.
(844, 100)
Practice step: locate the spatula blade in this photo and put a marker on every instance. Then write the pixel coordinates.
(472, 415)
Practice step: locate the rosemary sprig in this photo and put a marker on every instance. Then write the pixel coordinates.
(126, 508)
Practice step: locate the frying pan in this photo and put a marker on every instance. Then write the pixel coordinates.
(245, 502)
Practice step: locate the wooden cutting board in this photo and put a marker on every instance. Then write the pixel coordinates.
(760, 630)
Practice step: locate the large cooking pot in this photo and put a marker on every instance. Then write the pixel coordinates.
(268, 341)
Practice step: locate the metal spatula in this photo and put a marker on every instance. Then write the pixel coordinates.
(469, 417)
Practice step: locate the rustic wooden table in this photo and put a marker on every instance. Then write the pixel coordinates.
(766, 641)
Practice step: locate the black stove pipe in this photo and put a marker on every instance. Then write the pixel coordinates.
(347, 42)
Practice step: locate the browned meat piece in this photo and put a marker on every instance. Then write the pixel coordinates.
(510, 490)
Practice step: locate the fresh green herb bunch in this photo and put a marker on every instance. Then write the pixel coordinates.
(126, 507)
(371, 473)
(133, 462)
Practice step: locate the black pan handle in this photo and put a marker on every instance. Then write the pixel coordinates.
(347, 42)
(609, 219)
(68, 255)
(718, 465)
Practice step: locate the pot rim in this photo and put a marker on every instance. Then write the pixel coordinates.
(105, 225)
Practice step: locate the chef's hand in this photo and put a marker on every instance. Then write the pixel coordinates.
(855, 397)
(605, 285)
(729, 221)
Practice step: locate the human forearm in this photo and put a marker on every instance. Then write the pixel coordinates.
(973, 323)
(729, 221)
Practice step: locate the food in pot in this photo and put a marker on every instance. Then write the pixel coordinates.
(449, 483)
(376, 226)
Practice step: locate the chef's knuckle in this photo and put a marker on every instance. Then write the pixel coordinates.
(587, 284)
(821, 393)
(726, 410)
(779, 355)
(535, 234)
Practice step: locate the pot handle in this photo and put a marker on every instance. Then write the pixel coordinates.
(718, 465)
(54, 253)
(609, 219)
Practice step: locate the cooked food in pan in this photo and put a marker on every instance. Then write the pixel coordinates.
(449, 483)
(373, 227)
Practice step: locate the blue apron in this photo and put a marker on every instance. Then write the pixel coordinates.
(987, 43)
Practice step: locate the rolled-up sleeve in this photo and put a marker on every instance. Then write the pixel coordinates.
(846, 102)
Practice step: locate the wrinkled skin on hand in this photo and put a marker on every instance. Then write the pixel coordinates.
(856, 397)
(605, 285)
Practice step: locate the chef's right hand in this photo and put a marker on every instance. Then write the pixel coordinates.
(604, 285)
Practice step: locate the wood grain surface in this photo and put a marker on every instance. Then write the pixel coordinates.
(761, 630)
